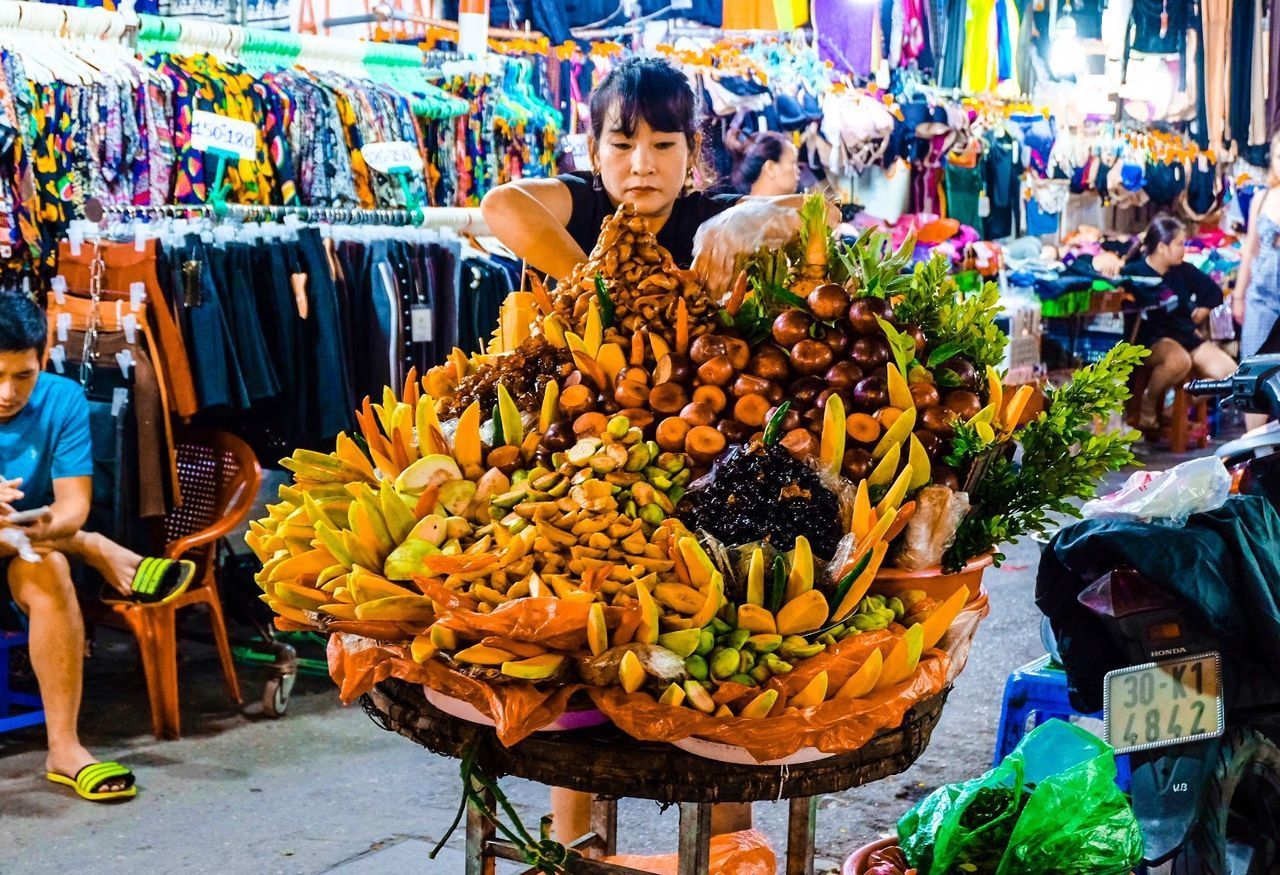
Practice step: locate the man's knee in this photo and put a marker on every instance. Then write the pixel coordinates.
(46, 583)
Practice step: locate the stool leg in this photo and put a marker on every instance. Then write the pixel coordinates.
(1179, 427)
(480, 831)
(802, 827)
(695, 839)
(604, 823)
(4, 675)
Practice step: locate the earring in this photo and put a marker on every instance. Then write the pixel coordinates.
(688, 181)
(596, 183)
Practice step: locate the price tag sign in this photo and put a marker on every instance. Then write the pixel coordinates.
(1164, 703)
(394, 157)
(211, 132)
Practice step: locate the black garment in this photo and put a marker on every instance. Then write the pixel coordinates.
(591, 207)
(952, 63)
(332, 399)
(1182, 289)
(1145, 27)
(232, 271)
(1202, 189)
(1240, 86)
(1164, 182)
(1003, 174)
(1224, 566)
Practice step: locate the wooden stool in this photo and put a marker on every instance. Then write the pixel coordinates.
(610, 765)
(1188, 419)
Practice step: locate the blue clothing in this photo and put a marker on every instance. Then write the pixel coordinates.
(47, 440)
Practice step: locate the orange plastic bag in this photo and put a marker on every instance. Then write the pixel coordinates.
(555, 624)
(734, 853)
(832, 727)
(517, 710)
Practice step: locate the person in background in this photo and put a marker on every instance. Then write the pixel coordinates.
(1177, 306)
(769, 167)
(46, 484)
(1256, 301)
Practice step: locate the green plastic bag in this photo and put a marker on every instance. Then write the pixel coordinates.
(1051, 807)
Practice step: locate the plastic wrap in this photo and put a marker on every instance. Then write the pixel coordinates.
(555, 624)
(1166, 496)
(738, 231)
(517, 710)
(932, 527)
(733, 853)
(832, 727)
(1051, 807)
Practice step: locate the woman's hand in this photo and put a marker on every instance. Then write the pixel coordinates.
(740, 230)
(1108, 264)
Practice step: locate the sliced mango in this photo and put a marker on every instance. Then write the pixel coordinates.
(479, 654)
(903, 658)
(861, 511)
(862, 583)
(814, 693)
(937, 623)
(698, 697)
(756, 619)
(597, 631)
(863, 680)
(831, 449)
(893, 498)
(882, 474)
(647, 631)
(512, 425)
(895, 434)
(760, 706)
(918, 460)
(755, 578)
(536, 668)
(673, 695)
(804, 613)
(801, 577)
(715, 597)
(899, 391)
(682, 642)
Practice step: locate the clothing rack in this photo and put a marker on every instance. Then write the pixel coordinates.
(384, 13)
(459, 219)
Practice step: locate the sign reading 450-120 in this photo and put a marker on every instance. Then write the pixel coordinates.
(211, 132)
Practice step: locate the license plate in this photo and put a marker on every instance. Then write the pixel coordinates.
(1163, 703)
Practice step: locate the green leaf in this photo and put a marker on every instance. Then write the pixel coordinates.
(773, 430)
(607, 312)
(902, 345)
(944, 352)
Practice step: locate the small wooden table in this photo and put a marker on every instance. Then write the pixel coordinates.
(611, 765)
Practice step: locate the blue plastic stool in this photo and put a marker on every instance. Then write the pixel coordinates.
(16, 709)
(1035, 694)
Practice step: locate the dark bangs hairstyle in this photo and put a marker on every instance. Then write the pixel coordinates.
(1163, 229)
(652, 89)
(22, 324)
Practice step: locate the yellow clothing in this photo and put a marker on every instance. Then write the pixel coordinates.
(765, 14)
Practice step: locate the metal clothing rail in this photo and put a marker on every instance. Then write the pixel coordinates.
(460, 219)
(385, 13)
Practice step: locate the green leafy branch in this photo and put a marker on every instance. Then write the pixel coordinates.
(1063, 459)
(956, 324)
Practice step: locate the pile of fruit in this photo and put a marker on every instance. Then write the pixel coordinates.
(636, 488)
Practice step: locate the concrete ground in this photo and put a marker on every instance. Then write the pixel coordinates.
(325, 790)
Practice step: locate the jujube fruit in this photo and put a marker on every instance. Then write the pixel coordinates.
(811, 356)
(791, 327)
(828, 302)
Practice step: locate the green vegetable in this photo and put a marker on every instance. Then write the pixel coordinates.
(777, 585)
(955, 323)
(873, 265)
(1063, 458)
(842, 588)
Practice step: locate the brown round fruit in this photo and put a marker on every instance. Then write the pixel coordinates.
(937, 420)
(963, 369)
(703, 443)
(924, 395)
(811, 357)
(843, 375)
(838, 337)
(863, 314)
(590, 424)
(858, 464)
(870, 394)
(633, 373)
(673, 368)
(801, 442)
(506, 459)
(805, 390)
(716, 371)
(667, 398)
(963, 404)
(746, 384)
(670, 434)
(707, 347)
(631, 394)
(945, 476)
(790, 422)
(739, 352)
(713, 396)
(870, 352)
(751, 410)
(931, 442)
(770, 363)
(776, 394)
(828, 302)
(697, 413)
(559, 436)
(791, 327)
(916, 333)
(813, 419)
(734, 432)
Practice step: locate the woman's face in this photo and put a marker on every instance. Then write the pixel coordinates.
(779, 177)
(1175, 251)
(647, 169)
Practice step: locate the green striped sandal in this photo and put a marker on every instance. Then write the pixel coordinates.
(156, 580)
(91, 777)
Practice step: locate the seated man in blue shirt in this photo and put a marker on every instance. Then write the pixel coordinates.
(46, 473)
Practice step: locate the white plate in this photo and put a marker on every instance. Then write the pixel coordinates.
(567, 721)
(732, 753)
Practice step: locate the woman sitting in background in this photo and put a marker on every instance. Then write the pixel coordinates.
(1177, 306)
(769, 167)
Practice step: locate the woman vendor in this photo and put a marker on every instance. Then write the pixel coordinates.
(644, 148)
(1177, 306)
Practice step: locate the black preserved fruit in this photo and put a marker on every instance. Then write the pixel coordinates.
(525, 373)
(764, 494)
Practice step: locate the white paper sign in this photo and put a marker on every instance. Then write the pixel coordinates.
(392, 157)
(211, 132)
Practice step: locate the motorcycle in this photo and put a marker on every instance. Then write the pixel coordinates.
(1200, 729)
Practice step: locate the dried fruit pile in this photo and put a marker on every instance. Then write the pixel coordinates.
(561, 509)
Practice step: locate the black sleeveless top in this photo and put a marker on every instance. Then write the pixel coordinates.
(592, 207)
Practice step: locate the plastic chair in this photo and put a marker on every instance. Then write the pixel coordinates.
(1035, 694)
(16, 709)
(219, 476)
(1188, 420)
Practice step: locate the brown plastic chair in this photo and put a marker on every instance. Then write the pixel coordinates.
(220, 477)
